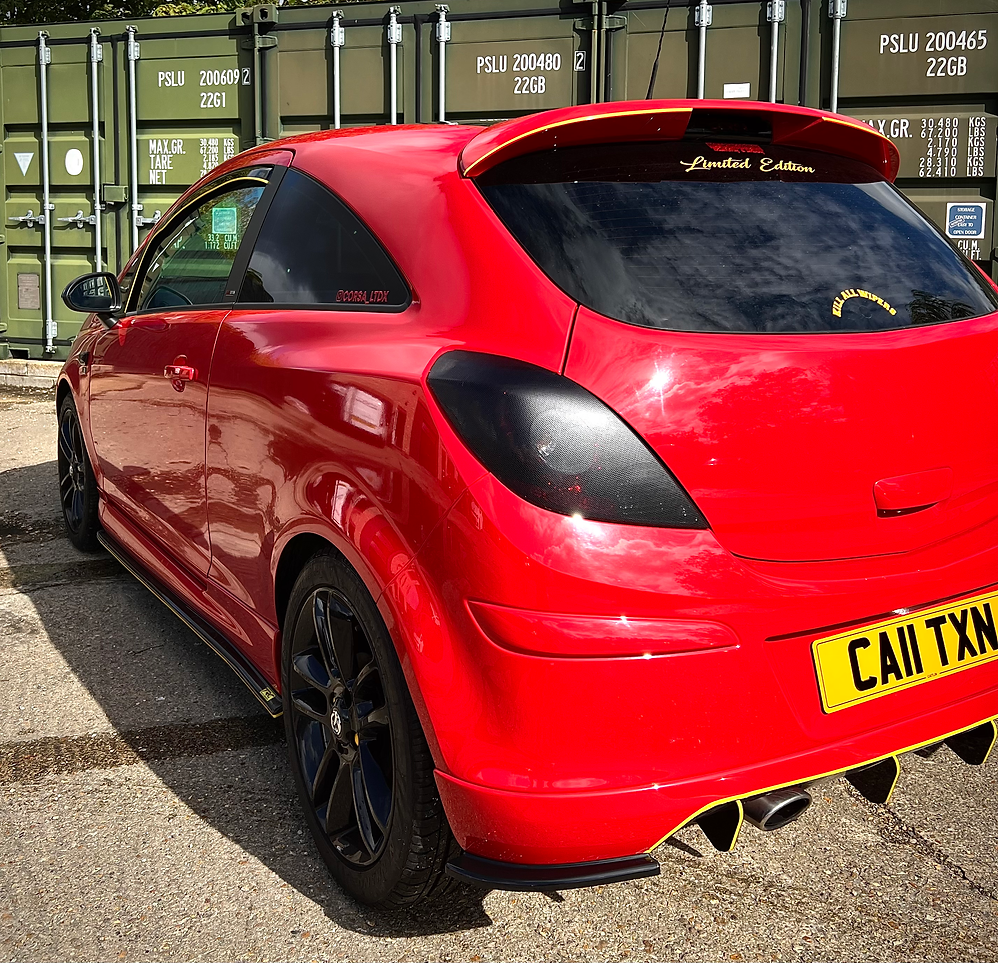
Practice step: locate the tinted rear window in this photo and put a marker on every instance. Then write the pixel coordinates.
(313, 249)
(694, 236)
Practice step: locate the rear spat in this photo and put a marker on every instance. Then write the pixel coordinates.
(519, 877)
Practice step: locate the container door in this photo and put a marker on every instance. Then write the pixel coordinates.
(191, 94)
(657, 53)
(929, 83)
(30, 289)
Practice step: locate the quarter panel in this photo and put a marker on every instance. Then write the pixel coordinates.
(306, 435)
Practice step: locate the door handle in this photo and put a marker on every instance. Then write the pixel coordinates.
(179, 375)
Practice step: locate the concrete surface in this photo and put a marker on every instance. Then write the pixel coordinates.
(147, 812)
(20, 373)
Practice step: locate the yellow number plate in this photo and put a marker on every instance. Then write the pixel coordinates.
(869, 662)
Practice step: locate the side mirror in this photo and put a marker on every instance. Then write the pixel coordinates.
(94, 294)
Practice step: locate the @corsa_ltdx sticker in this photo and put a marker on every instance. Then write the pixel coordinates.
(844, 296)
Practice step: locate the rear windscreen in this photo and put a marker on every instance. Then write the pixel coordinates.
(707, 236)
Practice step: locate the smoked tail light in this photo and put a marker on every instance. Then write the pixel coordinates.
(556, 445)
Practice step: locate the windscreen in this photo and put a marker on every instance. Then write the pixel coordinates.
(708, 236)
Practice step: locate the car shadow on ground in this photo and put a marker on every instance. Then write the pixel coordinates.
(175, 707)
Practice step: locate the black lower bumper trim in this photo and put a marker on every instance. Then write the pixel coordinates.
(524, 877)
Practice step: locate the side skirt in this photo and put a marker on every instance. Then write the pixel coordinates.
(250, 676)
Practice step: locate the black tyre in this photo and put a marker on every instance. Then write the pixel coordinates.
(77, 485)
(360, 760)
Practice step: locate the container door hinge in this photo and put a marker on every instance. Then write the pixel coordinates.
(776, 11)
(703, 15)
(837, 9)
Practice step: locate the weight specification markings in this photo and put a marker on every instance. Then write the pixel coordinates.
(148, 812)
(181, 161)
(938, 143)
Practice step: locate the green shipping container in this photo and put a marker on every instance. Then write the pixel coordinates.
(105, 124)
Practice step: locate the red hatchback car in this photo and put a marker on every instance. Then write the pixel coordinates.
(563, 482)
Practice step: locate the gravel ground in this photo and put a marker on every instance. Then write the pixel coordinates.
(147, 812)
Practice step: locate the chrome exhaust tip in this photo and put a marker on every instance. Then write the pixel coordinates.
(774, 810)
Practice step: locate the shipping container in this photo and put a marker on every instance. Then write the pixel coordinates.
(104, 124)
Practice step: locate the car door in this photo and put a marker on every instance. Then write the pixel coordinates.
(287, 421)
(149, 373)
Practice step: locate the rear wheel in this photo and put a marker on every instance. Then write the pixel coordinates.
(77, 485)
(361, 764)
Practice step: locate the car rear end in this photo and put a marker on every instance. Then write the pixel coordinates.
(746, 537)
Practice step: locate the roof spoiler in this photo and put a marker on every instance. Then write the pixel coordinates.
(651, 120)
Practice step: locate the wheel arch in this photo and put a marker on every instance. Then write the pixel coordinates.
(292, 557)
(63, 388)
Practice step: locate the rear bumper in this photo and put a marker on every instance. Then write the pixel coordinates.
(588, 689)
(567, 828)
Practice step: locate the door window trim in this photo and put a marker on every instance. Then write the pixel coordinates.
(222, 185)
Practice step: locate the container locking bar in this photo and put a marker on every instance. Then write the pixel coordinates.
(30, 219)
(337, 37)
(837, 11)
(443, 38)
(703, 16)
(81, 220)
(133, 140)
(96, 56)
(776, 12)
(394, 33)
(44, 59)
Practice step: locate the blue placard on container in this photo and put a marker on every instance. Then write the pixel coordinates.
(965, 220)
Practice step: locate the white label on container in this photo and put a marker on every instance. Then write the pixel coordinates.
(28, 292)
(74, 162)
(23, 160)
(737, 90)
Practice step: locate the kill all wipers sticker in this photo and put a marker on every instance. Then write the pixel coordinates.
(23, 160)
(848, 293)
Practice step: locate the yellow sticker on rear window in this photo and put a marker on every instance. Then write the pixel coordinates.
(858, 293)
(869, 662)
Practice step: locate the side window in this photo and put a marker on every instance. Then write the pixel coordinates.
(191, 262)
(312, 249)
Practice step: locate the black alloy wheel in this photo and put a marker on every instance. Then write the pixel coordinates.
(77, 485)
(342, 728)
(360, 760)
